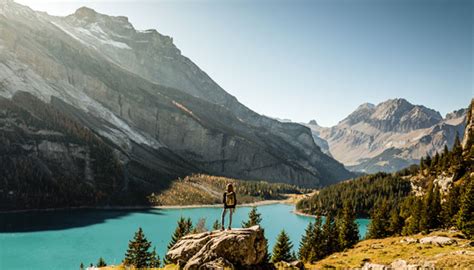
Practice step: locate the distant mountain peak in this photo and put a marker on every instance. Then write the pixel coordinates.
(396, 115)
(86, 16)
(365, 106)
(85, 12)
(313, 122)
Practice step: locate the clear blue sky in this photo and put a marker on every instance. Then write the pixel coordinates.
(319, 59)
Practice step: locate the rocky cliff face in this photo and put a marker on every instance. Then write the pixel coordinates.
(236, 249)
(389, 136)
(48, 158)
(136, 91)
(467, 141)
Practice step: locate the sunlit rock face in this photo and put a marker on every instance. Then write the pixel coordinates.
(238, 248)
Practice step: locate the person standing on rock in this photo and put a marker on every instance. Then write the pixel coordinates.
(230, 201)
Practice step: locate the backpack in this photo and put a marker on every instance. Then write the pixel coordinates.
(230, 199)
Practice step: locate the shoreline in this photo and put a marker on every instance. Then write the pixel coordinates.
(296, 212)
(146, 207)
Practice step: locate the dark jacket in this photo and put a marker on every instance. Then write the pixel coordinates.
(229, 200)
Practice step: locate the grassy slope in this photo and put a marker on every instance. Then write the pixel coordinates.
(387, 250)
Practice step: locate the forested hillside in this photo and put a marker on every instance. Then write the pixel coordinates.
(436, 193)
(207, 189)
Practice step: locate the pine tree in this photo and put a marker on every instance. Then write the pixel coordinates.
(101, 262)
(254, 218)
(183, 228)
(317, 242)
(188, 226)
(216, 225)
(306, 243)
(282, 248)
(137, 252)
(154, 259)
(330, 236)
(465, 220)
(451, 207)
(395, 222)
(348, 229)
(430, 214)
(422, 165)
(445, 158)
(435, 162)
(378, 227)
(428, 161)
(412, 224)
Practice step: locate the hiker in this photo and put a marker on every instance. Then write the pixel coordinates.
(230, 201)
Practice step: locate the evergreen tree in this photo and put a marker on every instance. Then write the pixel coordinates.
(465, 220)
(188, 226)
(428, 161)
(183, 228)
(395, 222)
(430, 218)
(101, 262)
(154, 259)
(216, 225)
(422, 165)
(435, 162)
(254, 218)
(137, 252)
(282, 248)
(451, 207)
(317, 242)
(348, 229)
(412, 224)
(306, 243)
(445, 158)
(330, 236)
(378, 227)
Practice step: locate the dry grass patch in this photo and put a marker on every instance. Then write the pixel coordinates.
(385, 251)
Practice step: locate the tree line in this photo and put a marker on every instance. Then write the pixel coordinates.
(362, 193)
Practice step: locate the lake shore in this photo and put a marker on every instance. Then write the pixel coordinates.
(147, 207)
(296, 212)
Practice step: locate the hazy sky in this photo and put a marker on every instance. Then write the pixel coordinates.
(319, 59)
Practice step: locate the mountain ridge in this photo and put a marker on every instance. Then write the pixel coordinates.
(80, 71)
(388, 136)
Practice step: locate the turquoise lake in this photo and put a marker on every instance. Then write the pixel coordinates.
(63, 239)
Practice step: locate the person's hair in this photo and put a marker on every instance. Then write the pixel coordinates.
(230, 187)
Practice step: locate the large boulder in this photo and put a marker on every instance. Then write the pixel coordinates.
(240, 247)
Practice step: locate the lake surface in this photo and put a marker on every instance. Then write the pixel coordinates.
(63, 239)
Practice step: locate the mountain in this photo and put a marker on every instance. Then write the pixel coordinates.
(157, 113)
(388, 136)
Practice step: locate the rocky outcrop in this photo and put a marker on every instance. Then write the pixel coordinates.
(438, 240)
(235, 248)
(469, 131)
